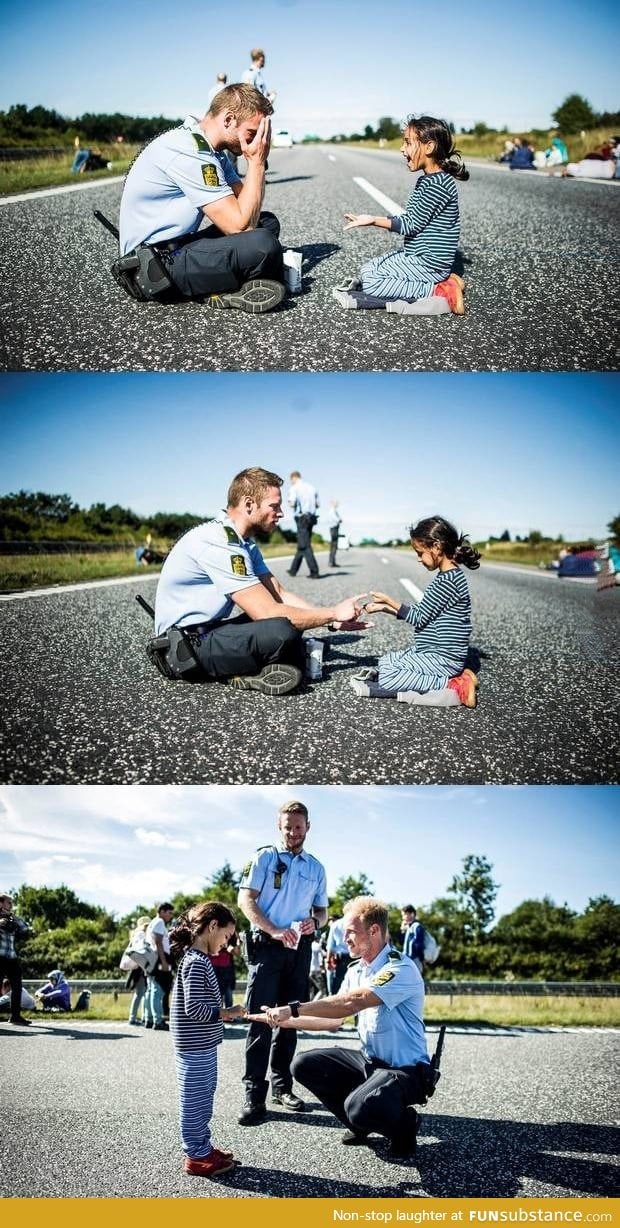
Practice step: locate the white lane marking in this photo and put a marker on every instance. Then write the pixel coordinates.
(332, 158)
(69, 187)
(412, 589)
(391, 205)
(72, 588)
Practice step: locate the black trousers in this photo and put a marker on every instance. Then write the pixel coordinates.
(243, 646)
(280, 975)
(12, 970)
(212, 263)
(305, 525)
(333, 544)
(366, 1098)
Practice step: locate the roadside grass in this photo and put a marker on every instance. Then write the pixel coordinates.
(23, 571)
(491, 145)
(520, 552)
(54, 170)
(490, 1010)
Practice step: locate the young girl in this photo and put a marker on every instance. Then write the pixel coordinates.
(417, 280)
(196, 1024)
(432, 671)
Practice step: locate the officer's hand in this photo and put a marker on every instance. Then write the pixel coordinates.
(288, 937)
(258, 149)
(258, 1019)
(277, 1014)
(307, 926)
(345, 611)
(228, 1013)
(381, 604)
(358, 219)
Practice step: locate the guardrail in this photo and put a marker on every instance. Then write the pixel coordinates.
(541, 989)
(55, 546)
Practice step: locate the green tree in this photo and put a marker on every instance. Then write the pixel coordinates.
(388, 128)
(505, 537)
(51, 908)
(614, 529)
(348, 888)
(534, 537)
(475, 892)
(574, 114)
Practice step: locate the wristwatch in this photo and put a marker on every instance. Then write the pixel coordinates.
(294, 1008)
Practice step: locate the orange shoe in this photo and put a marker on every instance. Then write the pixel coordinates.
(465, 685)
(452, 290)
(213, 1165)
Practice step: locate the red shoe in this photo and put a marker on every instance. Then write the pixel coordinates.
(452, 290)
(213, 1165)
(465, 685)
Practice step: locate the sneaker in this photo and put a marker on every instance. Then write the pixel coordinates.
(452, 290)
(367, 673)
(359, 686)
(251, 1114)
(135, 1023)
(272, 680)
(211, 1166)
(161, 1027)
(288, 1100)
(403, 1144)
(149, 1023)
(21, 1022)
(465, 686)
(344, 299)
(351, 1138)
(254, 296)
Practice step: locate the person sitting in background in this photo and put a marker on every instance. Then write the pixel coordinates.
(27, 1001)
(56, 993)
(522, 156)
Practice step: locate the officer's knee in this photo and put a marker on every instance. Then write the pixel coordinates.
(269, 221)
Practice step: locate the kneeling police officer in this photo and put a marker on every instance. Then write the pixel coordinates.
(371, 1090)
(217, 565)
(183, 177)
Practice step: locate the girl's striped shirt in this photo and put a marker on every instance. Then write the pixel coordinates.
(430, 223)
(196, 1002)
(442, 620)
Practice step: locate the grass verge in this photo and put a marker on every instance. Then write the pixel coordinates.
(479, 1009)
(491, 145)
(24, 571)
(54, 170)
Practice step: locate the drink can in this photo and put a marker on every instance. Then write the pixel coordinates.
(314, 659)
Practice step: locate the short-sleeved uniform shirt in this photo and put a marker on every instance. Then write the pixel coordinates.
(202, 571)
(394, 1031)
(170, 183)
(158, 926)
(289, 895)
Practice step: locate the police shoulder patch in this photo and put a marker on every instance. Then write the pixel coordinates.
(246, 869)
(209, 175)
(382, 977)
(237, 562)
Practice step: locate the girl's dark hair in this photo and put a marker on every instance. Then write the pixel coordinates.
(194, 921)
(437, 130)
(435, 531)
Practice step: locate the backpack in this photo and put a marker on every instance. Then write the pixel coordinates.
(83, 1001)
(431, 948)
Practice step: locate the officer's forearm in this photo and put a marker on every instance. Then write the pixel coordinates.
(254, 913)
(250, 198)
(320, 916)
(337, 1007)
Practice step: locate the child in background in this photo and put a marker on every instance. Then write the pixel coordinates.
(432, 671)
(196, 1019)
(418, 280)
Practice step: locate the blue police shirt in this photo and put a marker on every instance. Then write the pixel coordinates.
(203, 569)
(394, 1031)
(336, 944)
(302, 885)
(170, 183)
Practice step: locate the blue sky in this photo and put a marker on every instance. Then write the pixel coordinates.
(335, 67)
(124, 845)
(489, 451)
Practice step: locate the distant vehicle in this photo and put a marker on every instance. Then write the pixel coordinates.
(282, 139)
(343, 542)
(583, 563)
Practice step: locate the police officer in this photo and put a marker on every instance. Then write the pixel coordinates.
(371, 1090)
(337, 951)
(183, 177)
(283, 894)
(216, 565)
(304, 501)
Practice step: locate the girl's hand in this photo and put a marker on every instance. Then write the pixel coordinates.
(229, 1013)
(358, 219)
(382, 604)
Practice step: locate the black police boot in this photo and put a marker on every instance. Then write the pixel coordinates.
(288, 1100)
(403, 1144)
(252, 1114)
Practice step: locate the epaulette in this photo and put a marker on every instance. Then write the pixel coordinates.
(231, 534)
(394, 954)
(202, 145)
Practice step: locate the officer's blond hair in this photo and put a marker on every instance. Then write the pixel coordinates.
(370, 912)
(251, 484)
(243, 100)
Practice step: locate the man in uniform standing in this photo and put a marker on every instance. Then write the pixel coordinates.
(371, 1090)
(183, 177)
(283, 894)
(304, 501)
(337, 951)
(218, 564)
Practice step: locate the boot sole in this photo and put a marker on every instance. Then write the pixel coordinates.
(254, 297)
(279, 681)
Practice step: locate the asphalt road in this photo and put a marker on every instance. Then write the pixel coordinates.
(84, 705)
(517, 1113)
(539, 256)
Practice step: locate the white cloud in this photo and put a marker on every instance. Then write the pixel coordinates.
(159, 840)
